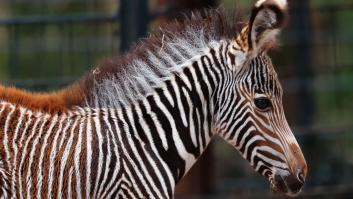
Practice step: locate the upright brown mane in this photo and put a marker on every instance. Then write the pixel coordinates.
(213, 23)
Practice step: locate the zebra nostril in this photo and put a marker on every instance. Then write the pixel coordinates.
(301, 177)
(293, 183)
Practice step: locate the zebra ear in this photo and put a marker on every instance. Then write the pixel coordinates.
(267, 18)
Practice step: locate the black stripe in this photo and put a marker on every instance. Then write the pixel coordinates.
(105, 149)
(206, 62)
(149, 150)
(139, 149)
(127, 147)
(171, 157)
(158, 144)
(114, 158)
(176, 114)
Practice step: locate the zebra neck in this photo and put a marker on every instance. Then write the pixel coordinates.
(174, 123)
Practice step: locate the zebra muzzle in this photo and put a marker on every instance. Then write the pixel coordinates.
(288, 184)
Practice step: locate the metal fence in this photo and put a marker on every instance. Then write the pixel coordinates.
(47, 51)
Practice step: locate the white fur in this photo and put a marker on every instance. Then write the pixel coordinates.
(265, 18)
(281, 3)
(139, 78)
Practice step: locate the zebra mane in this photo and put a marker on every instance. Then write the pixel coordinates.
(121, 80)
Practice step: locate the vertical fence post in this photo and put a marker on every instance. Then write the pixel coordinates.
(13, 50)
(303, 56)
(134, 18)
(303, 61)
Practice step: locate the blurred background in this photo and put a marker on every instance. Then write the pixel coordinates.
(47, 44)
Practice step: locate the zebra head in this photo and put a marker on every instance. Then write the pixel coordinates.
(248, 105)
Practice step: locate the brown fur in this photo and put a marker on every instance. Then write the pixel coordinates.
(47, 102)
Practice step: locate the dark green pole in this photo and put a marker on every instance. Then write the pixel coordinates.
(303, 59)
(134, 21)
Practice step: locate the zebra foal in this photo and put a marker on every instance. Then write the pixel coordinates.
(134, 126)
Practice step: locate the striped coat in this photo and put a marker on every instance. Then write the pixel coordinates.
(133, 128)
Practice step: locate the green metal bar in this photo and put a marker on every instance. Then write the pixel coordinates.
(13, 52)
(56, 20)
(134, 21)
(303, 57)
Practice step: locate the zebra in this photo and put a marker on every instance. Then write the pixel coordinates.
(133, 126)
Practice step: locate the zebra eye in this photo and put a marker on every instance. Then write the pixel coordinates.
(262, 103)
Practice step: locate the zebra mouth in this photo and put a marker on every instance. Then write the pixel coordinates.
(286, 185)
(278, 185)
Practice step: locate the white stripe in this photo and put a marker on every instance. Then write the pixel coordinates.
(16, 133)
(151, 143)
(272, 162)
(107, 133)
(65, 157)
(61, 131)
(137, 155)
(233, 112)
(249, 142)
(168, 96)
(179, 102)
(118, 165)
(118, 133)
(159, 128)
(34, 146)
(259, 164)
(187, 157)
(37, 136)
(98, 129)
(285, 146)
(42, 152)
(235, 123)
(161, 134)
(204, 76)
(246, 135)
(127, 155)
(128, 190)
(69, 182)
(6, 142)
(199, 127)
(24, 152)
(192, 125)
(15, 147)
(31, 117)
(3, 106)
(266, 149)
(204, 109)
(6, 139)
(77, 155)
(109, 194)
(18, 164)
(89, 152)
(185, 79)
